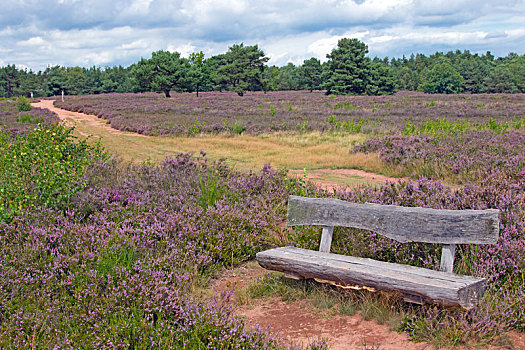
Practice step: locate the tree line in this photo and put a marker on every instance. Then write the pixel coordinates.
(348, 70)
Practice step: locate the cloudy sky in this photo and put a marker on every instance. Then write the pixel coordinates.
(38, 33)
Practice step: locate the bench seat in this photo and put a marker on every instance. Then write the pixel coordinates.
(419, 285)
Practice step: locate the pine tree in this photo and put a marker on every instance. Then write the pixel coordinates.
(241, 68)
(348, 68)
(164, 71)
(311, 72)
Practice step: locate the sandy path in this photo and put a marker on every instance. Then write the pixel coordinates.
(296, 324)
(73, 118)
(332, 179)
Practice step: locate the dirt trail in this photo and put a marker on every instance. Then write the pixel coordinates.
(72, 118)
(332, 179)
(296, 324)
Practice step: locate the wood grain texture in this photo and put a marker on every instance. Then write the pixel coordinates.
(416, 284)
(403, 224)
(448, 254)
(326, 239)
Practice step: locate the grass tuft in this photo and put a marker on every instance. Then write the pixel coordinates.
(328, 300)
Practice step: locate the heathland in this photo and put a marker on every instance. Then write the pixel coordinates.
(99, 252)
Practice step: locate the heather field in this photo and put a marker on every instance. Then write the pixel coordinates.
(100, 253)
(258, 112)
(17, 121)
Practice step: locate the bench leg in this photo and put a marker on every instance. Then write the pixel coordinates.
(326, 239)
(447, 258)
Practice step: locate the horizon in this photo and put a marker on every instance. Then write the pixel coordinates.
(24, 67)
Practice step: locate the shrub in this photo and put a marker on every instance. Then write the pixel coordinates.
(196, 127)
(272, 110)
(348, 125)
(42, 168)
(438, 127)
(238, 127)
(23, 105)
(345, 105)
(302, 127)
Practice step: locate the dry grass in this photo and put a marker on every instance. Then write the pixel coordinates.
(350, 181)
(292, 151)
(385, 308)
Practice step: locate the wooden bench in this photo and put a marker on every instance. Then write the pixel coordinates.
(403, 224)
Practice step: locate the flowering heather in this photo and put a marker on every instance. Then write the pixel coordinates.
(19, 122)
(473, 157)
(113, 270)
(490, 170)
(115, 266)
(257, 112)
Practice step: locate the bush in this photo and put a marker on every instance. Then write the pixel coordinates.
(23, 104)
(238, 127)
(42, 168)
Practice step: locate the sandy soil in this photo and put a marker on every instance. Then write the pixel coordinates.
(71, 118)
(295, 322)
(337, 177)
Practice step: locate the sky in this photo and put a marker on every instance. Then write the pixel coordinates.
(37, 33)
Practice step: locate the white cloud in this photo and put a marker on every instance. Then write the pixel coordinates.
(102, 32)
(382, 39)
(97, 59)
(323, 46)
(185, 49)
(320, 48)
(137, 44)
(138, 7)
(516, 33)
(443, 37)
(34, 41)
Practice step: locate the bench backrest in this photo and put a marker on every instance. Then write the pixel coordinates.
(403, 224)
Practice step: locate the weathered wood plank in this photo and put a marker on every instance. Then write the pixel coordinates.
(447, 258)
(415, 283)
(326, 239)
(404, 224)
